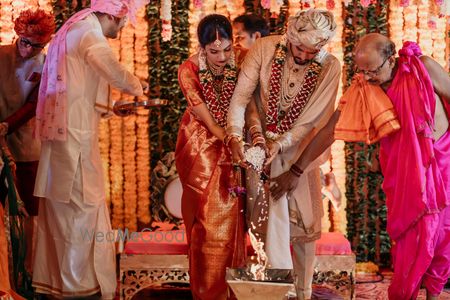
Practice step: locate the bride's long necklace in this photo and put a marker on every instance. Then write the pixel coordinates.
(217, 89)
(217, 73)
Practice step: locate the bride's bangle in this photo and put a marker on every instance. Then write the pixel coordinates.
(227, 139)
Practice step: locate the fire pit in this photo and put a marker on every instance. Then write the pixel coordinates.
(276, 286)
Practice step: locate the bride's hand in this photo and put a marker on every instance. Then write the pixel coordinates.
(274, 149)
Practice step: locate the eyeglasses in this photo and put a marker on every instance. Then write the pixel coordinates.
(26, 43)
(375, 72)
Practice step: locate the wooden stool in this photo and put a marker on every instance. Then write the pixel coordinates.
(335, 264)
(153, 259)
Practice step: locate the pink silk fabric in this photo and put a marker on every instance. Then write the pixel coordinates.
(171, 242)
(51, 110)
(413, 180)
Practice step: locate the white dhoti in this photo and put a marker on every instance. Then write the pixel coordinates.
(296, 218)
(75, 253)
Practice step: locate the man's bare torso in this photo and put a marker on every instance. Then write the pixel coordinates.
(440, 120)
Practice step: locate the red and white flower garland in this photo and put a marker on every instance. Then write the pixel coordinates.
(217, 103)
(276, 125)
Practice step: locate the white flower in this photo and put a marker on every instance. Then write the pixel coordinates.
(255, 156)
(166, 17)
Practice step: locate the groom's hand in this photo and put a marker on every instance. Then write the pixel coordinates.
(285, 183)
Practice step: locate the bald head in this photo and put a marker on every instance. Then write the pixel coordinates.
(375, 43)
(374, 57)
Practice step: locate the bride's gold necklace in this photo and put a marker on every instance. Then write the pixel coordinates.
(217, 73)
(215, 70)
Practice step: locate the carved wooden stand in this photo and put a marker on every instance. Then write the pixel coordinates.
(336, 272)
(138, 272)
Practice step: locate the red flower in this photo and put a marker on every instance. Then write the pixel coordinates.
(330, 4)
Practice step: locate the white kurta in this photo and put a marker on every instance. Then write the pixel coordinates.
(298, 217)
(16, 83)
(70, 175)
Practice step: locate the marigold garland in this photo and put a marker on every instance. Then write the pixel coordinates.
(410, 23)
(235, 8)
(424, 32)
(439, 41)
(396, 25)
(6, 22)
(129, 172)
(104, 144)
(221, 8)
(45, 5)
(195, 15)
(294, 7)
(143, 169)
(143, 143)
(18, 6)
(275, 7)
(127, 39)
(116, 170)
(115, 156)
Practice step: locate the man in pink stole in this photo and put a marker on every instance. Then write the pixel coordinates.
(412, 124)
(71, 261)
(416, 172)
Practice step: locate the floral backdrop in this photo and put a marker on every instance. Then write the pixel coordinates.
(137, 150)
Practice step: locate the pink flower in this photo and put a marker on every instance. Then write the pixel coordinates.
(432, 24)
(404, 3)
(439, 2)
(198, 3)
(237, 191)
(365, 3)
(265, 4)
(330, 4)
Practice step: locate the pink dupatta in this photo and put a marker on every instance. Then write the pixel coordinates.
(51, 111)
(412, 180)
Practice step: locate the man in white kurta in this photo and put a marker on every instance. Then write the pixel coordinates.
(75, 247)
(21, 67)
(295, 217)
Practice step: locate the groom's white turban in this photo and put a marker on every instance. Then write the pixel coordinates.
(312, 28)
